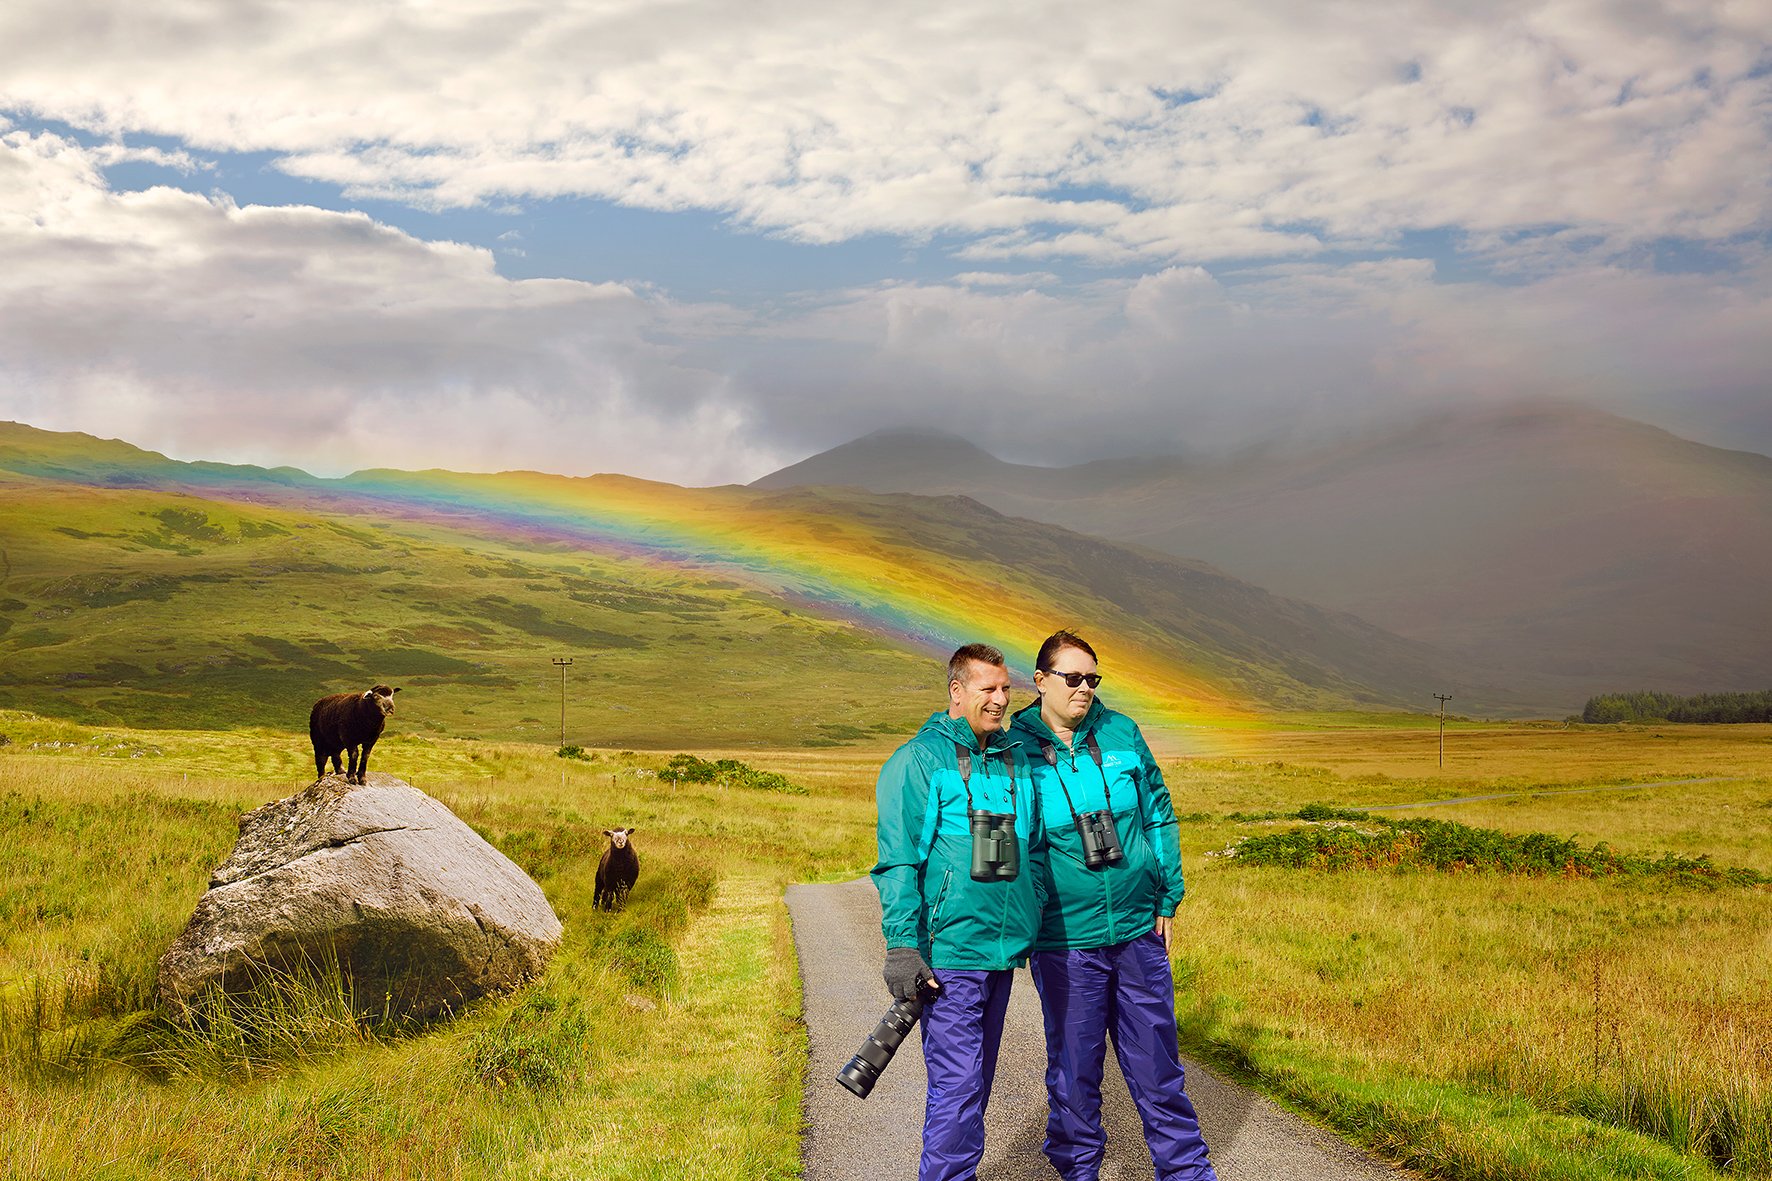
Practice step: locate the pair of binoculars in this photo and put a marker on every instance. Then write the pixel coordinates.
(876, 1052)
(995, 855)
(1101, 843)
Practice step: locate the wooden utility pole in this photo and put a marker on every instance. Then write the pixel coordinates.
(563, 663)
(1443, 698)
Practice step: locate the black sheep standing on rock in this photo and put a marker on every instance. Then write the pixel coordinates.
(344, 722)
(616, 871)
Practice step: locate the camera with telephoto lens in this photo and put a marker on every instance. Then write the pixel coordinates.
(1101, 844)
(876, 1052)
(995, 855)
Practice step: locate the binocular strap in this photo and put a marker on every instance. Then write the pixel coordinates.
(1050, 751)
(963, 758)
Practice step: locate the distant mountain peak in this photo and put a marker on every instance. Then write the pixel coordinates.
(894, 455)
(916, 440)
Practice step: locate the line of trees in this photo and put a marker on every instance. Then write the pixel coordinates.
(1671, 707)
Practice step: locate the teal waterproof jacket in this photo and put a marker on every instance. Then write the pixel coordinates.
(928, 898)
(1097, 907)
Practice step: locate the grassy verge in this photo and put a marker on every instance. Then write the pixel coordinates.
(711, 1088)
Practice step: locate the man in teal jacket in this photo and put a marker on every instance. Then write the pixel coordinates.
(1101, 960)
(961, 878)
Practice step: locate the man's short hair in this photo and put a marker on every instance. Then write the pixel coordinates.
(959, 664)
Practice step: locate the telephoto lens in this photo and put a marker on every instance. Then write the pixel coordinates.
(1101, 844)
(864, 1069)
(995, 855)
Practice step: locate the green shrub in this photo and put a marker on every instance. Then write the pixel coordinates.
(1311, 812)
(641, 956)
(541, 1045)
(1330, 812)
(685, 768)
(1449, 847)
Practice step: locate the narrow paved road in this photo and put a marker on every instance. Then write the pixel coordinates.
(837, 934)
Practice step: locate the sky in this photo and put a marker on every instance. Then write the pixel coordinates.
(696, 241)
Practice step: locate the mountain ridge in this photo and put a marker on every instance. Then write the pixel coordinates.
(1553, 543)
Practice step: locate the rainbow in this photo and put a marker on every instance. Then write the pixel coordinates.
(829, 563)
(784, 545)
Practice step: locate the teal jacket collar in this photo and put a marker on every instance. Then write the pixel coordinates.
(960, 731)
(1027, 719)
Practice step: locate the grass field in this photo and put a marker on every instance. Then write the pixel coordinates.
(1472, 1024)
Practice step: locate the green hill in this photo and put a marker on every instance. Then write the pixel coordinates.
(137, 590)
(160, 608)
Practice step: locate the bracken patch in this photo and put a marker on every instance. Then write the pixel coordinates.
(1347, 839)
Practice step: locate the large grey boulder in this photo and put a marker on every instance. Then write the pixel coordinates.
(420, 911)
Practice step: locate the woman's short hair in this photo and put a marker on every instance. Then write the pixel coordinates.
(1056, 643)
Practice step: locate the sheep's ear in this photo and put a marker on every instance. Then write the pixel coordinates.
(608, 832)
(369, 695)
(632, 831)
(396, 688)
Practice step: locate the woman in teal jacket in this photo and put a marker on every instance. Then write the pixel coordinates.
(1101, 958)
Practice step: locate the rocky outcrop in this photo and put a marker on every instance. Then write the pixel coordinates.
(417, 909)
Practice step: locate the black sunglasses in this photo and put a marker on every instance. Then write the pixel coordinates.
(1072, 680)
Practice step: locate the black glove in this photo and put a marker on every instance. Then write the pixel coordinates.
(905, 972)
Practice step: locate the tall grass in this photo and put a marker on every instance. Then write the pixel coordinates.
(1494, 1023)
(101, 863)
(1349, 991)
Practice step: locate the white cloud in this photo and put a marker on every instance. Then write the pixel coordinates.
(1186, 132)
(325, 340)
(207, 329)
(1023, 279)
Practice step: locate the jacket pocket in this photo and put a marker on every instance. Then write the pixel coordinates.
(941, 897)
(1141, 853)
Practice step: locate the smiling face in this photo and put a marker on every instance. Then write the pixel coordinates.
(981, 696)
(1061, 705)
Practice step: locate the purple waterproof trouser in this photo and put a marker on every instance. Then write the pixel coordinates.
(962, 1028)
(1124, 989)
